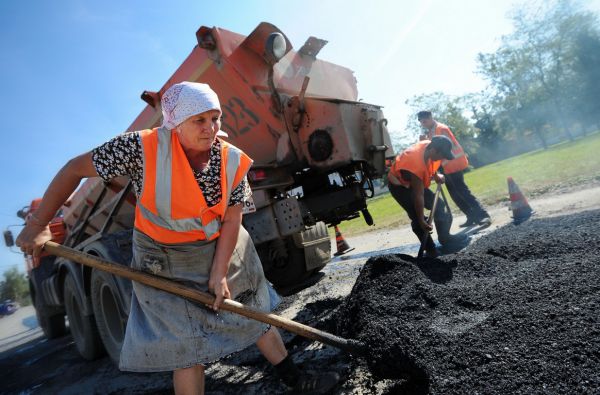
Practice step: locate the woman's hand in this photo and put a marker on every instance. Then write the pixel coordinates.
(217, 284)
(32, 238)
(36, 233)
(439, 178)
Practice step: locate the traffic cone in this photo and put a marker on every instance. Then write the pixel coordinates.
(342, 246)
(520, 208)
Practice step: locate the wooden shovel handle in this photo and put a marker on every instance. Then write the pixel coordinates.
(201, 297)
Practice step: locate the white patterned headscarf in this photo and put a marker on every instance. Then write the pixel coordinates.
(187, 99)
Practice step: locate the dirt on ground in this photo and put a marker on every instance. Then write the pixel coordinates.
(516, 312)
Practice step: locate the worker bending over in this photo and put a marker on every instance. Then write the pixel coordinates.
(453, 170)
(409, 180)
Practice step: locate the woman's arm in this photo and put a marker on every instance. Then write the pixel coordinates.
(225, 245)
(36, 232)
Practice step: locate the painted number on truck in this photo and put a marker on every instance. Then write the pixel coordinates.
(237, 118)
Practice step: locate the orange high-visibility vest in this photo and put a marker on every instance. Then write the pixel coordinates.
(171, 208)
(460, 161)
(413, 160)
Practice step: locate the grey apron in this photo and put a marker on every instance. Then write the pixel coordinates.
(166, 332)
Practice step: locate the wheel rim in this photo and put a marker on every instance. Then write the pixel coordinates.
(111, 314)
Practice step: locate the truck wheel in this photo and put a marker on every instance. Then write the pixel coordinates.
(110, 318)
(53, 325)
(285, 260)
(83, 328)
(287, 266)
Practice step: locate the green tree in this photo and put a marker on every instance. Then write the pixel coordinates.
(587, 65)
(489, 131)
(15, 287)
(400, 140)
(534, 73)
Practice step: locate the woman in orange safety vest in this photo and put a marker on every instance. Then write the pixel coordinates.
(190, 186)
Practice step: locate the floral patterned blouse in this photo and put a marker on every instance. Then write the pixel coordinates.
(123, 156)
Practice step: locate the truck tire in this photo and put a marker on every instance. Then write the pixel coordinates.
(110, 318)
(288, 267)
(83, 328)
(52, 324)
(286, 259)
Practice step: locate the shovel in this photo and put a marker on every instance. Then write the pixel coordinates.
(171, 286)
(429, 220)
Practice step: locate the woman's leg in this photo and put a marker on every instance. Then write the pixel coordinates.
(189, 381)
(271, 346)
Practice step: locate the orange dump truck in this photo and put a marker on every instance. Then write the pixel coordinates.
(316, 149)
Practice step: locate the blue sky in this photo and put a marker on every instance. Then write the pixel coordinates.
(72, 71)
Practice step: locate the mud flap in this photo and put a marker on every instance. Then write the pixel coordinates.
(316, 244)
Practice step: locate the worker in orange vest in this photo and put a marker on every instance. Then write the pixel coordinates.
(190, 187)
(409, 180)
(454, 173)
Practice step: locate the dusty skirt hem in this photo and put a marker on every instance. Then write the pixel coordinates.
(204, 361)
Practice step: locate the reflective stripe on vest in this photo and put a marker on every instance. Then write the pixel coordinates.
(163, 189)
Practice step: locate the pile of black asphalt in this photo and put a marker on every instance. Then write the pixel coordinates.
(516, 312)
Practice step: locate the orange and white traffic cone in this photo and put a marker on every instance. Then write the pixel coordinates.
(342, 246)
(518, 203)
